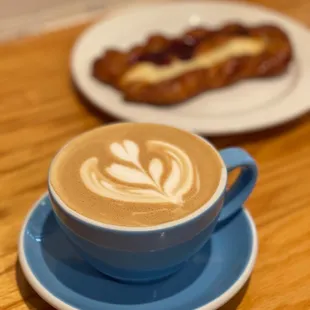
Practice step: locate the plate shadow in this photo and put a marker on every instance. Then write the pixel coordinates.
(219, 141)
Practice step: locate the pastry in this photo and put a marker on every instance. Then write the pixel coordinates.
(166, 71)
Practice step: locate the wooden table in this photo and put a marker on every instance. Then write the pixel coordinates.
(40, 111)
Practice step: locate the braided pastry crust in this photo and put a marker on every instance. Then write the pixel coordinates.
(165, 71)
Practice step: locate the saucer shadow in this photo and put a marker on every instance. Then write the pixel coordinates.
(233, 303)
(69, 269)
(33, 301)
(30, 298)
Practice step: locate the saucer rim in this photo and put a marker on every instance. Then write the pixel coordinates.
(54, 301)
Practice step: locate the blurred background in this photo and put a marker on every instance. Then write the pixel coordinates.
(20, 18)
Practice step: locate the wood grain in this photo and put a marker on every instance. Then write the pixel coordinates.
(40, 111)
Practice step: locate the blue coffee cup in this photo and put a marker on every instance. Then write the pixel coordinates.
(141, 254)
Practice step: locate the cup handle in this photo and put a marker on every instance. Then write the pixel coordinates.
(243, 186)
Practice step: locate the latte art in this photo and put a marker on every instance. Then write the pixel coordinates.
(136, 175)
(131, 182)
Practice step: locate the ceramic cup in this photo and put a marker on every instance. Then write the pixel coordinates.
(149, 253)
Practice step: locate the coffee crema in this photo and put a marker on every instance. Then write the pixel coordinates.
(135, 175)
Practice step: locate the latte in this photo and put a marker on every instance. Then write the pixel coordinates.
(136, 174)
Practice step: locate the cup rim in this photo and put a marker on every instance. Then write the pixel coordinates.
(192, 216)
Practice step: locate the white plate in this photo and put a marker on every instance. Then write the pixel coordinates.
(246, 106)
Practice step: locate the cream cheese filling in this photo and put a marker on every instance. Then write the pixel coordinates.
(152, 73)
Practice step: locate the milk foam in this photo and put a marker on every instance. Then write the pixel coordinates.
(129, 181)
(135, 174)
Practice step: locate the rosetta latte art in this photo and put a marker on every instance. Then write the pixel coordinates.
(131, 182)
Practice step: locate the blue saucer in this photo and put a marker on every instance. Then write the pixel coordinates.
(64, 280)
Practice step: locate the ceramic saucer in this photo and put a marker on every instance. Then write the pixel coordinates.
(65, 281)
